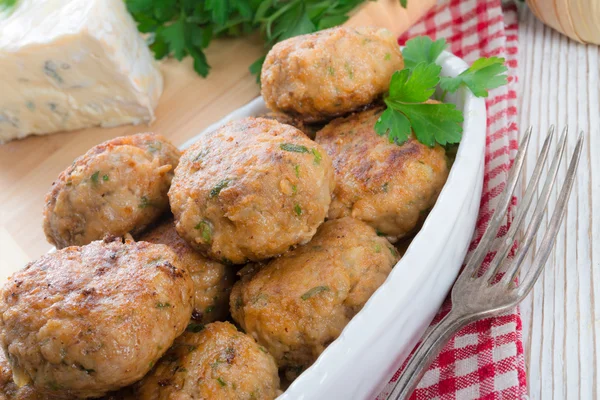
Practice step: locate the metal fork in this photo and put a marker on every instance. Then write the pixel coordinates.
(480, 294)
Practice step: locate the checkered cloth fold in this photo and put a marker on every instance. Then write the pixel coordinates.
(485, 359)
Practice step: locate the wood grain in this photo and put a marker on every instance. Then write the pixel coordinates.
(561, 317)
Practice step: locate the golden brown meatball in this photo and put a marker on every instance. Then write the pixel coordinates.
(329, 73)
(212, 280)
(83, 321)
(251, 190)
(218, 362)
(390, 187)
(299, 303)
(117, 187)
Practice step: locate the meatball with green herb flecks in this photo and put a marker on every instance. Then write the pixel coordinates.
(390, 187)
(212, 280)
(297, 304)
(212, 362)
(251, 190)
(329, 73)
(117, 187)
(85, 321)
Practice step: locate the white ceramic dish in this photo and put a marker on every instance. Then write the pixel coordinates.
(382, 334)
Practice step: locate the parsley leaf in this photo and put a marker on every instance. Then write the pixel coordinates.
(416, 85)
(6, 4)
(174, 36)
(422, 49)
(431, 122)
(394, 124)
(182, 28)
(483, 75)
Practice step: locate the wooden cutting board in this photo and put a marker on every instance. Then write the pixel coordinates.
(188, 105)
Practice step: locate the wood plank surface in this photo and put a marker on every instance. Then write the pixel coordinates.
(561, 317)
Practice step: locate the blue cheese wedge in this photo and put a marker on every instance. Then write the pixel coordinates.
(71, 64)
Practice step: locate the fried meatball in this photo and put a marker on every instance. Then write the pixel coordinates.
(84, 321)
(218, 362)
(390, 187)
(251, 190)
(329, 73)
(212, 280)
(117, 187)
(299, 303)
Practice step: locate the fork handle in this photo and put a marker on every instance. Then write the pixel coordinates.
(426, 352)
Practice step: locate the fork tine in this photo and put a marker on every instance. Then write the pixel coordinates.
(492, 230)
(555, 222)
(531, 187)
(538, 214)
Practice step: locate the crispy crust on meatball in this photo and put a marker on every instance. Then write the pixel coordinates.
(117, 187)
(218, 362)
(84, 321)
(212, 280)
(299, 303)
(329, 73)
(285, 119)
(390, 187)
(251, 190)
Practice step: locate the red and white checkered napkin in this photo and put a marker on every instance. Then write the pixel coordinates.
(485, 359)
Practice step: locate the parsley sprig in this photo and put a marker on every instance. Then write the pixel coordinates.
(432, 122)
(7, 4)
(182, 28)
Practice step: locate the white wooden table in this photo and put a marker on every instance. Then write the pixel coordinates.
(561, 318)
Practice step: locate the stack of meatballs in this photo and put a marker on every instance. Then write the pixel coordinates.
(213, 273)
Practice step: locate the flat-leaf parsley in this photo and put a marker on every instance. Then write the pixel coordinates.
(408, 110)
(422, 49)
(483, 75)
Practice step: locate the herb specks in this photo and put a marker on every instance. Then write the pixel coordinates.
(144, 202)
(317, 156)
(154, 147)
(194, 327)
(314, 291)
(218, 187)
(296, 148)
(205, 229)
